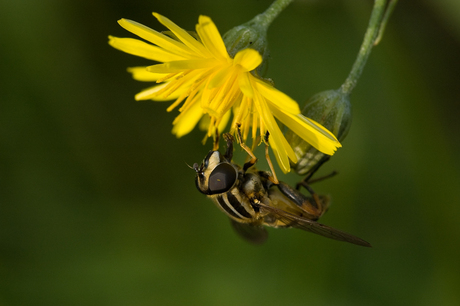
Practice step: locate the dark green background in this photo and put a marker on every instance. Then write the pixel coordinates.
(97, 205)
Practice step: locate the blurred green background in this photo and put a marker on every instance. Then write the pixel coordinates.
(97, 205)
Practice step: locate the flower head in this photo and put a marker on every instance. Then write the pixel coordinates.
(199, 74)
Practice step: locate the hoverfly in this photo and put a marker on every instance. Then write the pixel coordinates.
(253, 199)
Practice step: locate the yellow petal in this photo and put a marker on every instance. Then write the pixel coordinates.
(141, 74)
(276, 97)
(151, 93)
(183, 35)
(249, 59)
(220, 77)
(204, 123)
(211, 38)
(255, 122)
(188, 120)
(283, 151)
(245, 84)
(228, 95)
(142, 49)
(224, 121)
(309, 130)
(280, 147)
(157, 38)
(178, 66)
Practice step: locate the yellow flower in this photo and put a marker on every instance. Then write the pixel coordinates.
(198, 73)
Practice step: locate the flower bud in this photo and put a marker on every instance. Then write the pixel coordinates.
(252, 34)
(331, 109)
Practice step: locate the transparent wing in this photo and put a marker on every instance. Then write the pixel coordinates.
(311, 226)
(256, 234)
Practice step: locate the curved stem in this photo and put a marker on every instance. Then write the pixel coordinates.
(266, 18)
(389, 10)
(376, 24)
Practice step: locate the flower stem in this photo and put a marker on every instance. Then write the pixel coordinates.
(379, 18)
(389, 10)
(266, 18)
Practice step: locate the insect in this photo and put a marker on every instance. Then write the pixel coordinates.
(253, 199)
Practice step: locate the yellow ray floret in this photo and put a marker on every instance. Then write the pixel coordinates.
(199, 75)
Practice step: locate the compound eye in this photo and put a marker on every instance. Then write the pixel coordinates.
(222, 178)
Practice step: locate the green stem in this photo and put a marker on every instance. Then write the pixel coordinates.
(389, 10)
(266, 18)
(376, 23)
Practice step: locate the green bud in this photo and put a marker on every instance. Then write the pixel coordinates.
(332, 109)
(252, 34)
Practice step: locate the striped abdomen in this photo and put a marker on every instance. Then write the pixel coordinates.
(235, 205)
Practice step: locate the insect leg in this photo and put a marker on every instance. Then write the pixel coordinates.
(317, 202)
(314, 195)
(313, 207)
(229, 152)
(253, 160)
(272, 177)
(333, 173)
(215, 146)
(307, 180)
